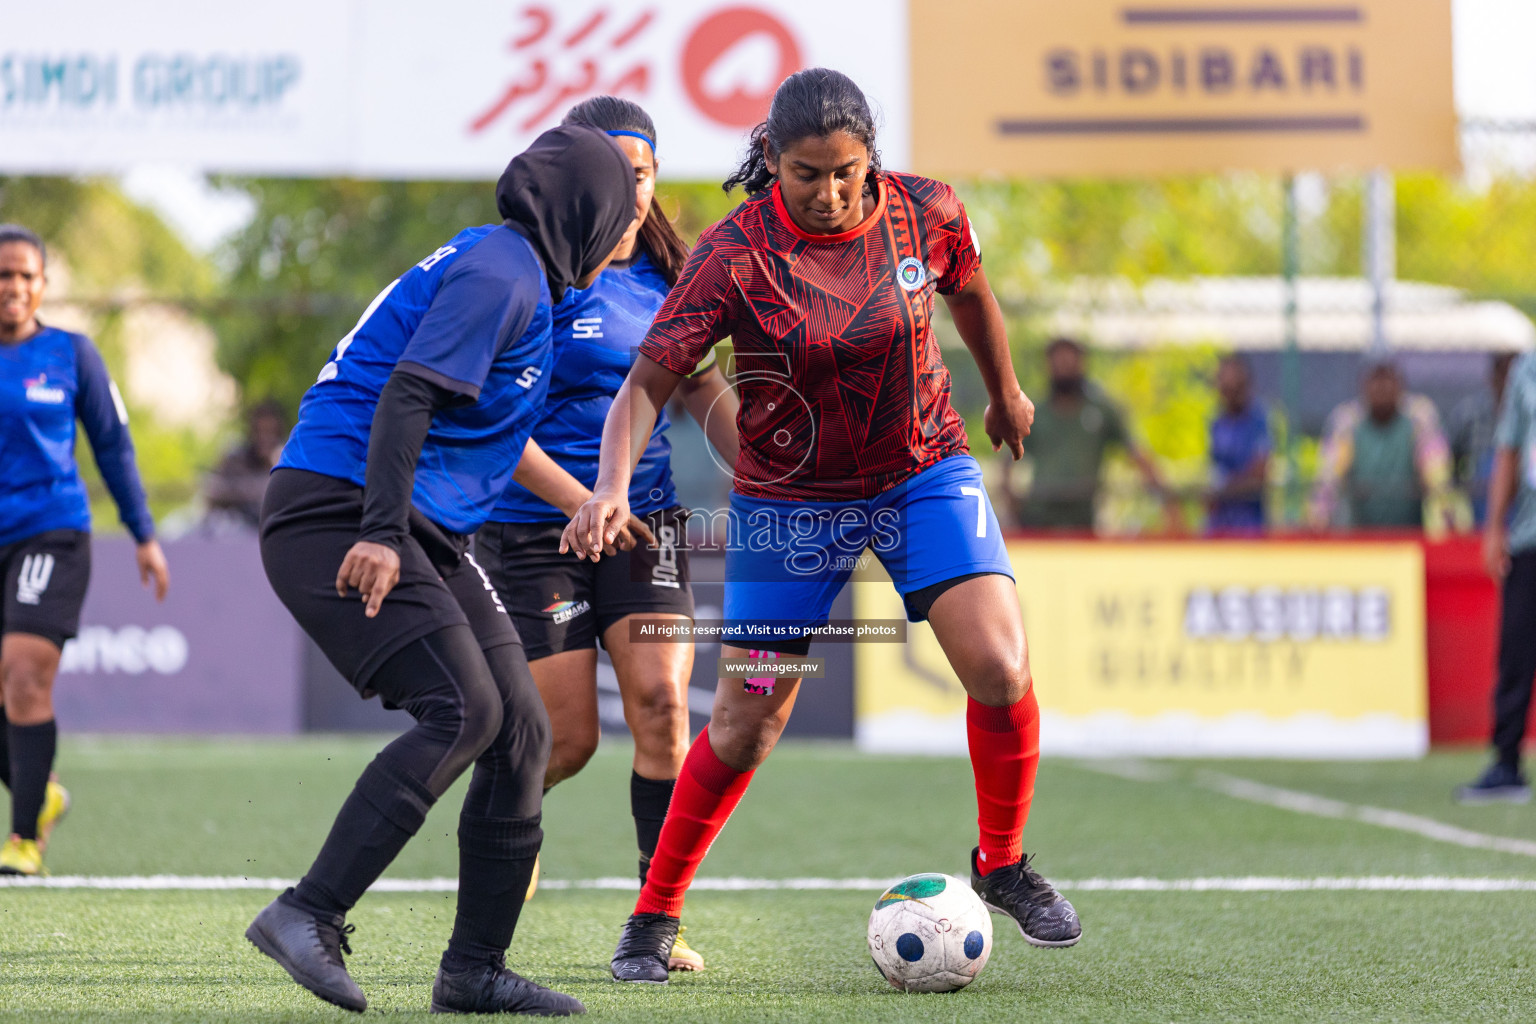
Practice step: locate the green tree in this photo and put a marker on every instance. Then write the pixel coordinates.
(1477, 239)
(316, 251)
(1039, 234)
(108, 241)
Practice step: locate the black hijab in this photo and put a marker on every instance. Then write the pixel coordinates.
(572, 195)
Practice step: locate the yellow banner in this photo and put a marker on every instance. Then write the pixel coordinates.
(1168, 649)
(1137, 87)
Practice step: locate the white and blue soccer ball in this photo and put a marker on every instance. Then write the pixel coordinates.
(930, 933)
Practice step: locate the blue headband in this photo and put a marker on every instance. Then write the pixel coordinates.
(636, 135)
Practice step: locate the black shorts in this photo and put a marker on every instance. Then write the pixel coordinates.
(308, 524)
(45, 580)
(564, 603)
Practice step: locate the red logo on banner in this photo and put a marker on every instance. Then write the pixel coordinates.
(566, 63)
(720, 33)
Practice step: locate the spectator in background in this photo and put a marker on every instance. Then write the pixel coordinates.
(1073, 429)
(1383, 455)
(1509, 553)
(235, 488)
(1472, 425)
(1240, 450)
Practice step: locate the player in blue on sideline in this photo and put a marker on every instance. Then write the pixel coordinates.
(564, 606)
(49, 378)
(403, 445)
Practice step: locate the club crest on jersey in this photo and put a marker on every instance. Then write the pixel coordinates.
(40, 391)
(910, 273)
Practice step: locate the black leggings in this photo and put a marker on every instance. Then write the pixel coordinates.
(443, 649)
(1517, 658)
(471, 707)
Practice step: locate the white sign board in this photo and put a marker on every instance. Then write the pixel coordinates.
(389, 88)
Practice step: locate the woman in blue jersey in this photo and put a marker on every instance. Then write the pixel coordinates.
(48, 379)
(403, 445)
(563, 606)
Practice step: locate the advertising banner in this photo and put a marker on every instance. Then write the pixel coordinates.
(387, 88)
(93, 87)
(221, 655)
(1227, 649)
(823, 709)
(1139, 87)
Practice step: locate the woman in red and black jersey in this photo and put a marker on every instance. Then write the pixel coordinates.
(825, 281)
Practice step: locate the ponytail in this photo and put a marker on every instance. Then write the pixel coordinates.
(660, 242)
(753, 174)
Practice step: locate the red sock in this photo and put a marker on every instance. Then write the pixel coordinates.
(707, 791)
(1005, 751)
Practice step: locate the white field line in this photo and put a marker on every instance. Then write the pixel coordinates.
(1130, 768)
(1260, 883)
(1253, 883)
(1319, 806)
(1325, 807)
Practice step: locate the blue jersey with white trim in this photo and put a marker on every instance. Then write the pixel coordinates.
(597, 334)
(46, 383)
(474, 318)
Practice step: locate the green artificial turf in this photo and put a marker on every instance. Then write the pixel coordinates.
(260, 808)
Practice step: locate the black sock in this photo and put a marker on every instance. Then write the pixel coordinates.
(32, 750)
(496, 857)
(648, 800)
(385, 809)
(5, 749)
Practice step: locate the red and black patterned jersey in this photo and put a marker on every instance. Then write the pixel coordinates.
(843, 393)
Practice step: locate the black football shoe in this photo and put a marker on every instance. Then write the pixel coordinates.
(490, 988)
(1501, 783)
(644, 948)
(1043, 915)
(309, 948)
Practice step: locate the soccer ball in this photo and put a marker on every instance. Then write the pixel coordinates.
(930, 933)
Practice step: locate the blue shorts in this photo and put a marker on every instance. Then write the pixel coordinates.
(787, 560)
